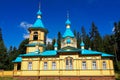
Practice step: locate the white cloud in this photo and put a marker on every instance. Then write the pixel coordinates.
(25, 36)
(25, 25)
(48, 40)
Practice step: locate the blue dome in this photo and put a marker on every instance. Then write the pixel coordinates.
(39, 12)
(55, 45)
(68, 22)
(38, 23)
(68, 33)
(82, 44)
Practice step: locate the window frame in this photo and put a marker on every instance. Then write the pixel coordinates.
(30, 65)
(53, 65)
(45, 66)
(94, 65)
(69, 63)
(84, 65)
(104, 65)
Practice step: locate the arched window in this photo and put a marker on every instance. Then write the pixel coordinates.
(35, 36)
(69, 63)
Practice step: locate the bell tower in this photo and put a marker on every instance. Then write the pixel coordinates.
(37, 35)
(68, 38)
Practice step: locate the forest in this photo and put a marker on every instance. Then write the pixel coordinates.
(107, 43)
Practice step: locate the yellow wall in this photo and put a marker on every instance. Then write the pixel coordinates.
(33, 49)
(38, 66)
(6, 73)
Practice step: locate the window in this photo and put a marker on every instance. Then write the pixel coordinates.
(94, 66)
(69, 63)
(53, 65)
(84, 65)
(104, 65)
(68, 41)
(29, 65)
(35, 36)
(45, 65)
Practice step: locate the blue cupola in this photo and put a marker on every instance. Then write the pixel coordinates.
(68, 22)
(38, 23)
(82, 45)
(55, 46)
(68, 32)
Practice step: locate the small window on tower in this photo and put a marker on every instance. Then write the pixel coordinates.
(35, 36)
(68, 41)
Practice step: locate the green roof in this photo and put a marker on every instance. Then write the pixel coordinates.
(68, 33)
(18, 59)
(45, 53)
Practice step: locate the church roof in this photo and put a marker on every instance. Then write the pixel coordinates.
(82, 44)
(45, 53)
(67, 49)
(18, 59)
(38, 23)
(68, 22)
(39, 12)
(68, 33)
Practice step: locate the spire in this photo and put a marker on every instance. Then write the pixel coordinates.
(39, 13)
(68, 21)
(38, 22)
(55, 45)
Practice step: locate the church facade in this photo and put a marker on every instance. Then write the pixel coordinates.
(67, 63)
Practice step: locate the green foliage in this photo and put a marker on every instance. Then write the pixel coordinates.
(22, 46)
(59, 40)
(117, 38)
(96, 39)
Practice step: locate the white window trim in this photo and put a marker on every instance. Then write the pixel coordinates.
(94, 65)
(84, 65)
(29, 65)
(54, 65)
(45, 66)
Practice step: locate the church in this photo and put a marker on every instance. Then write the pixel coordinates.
(67, 63)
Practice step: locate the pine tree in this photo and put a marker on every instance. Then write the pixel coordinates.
(22, 46)
(78, 39)
(83, 33)
(96, 40)
(59, 40)
(3, 53)
(117, 38)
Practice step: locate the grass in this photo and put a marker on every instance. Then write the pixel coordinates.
(7, 78)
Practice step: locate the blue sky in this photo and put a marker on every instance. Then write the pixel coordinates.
(17, 15)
